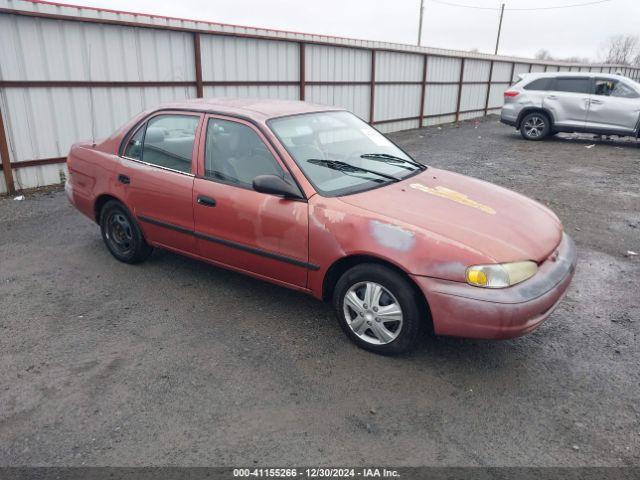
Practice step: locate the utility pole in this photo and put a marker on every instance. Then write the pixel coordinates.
(499, 28)
(420, 22)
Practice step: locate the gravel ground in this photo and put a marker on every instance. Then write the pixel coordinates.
(176, 362)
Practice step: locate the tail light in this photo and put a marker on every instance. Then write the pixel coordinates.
(511, 93)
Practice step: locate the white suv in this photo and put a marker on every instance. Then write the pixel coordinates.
(543, 104)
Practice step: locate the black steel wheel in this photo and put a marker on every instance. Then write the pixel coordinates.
(122, 235)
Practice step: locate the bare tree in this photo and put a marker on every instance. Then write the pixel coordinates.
(543, 54)
(622, 49)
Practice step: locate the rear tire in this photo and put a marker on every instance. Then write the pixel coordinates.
(535, 126)
(122, 234)
(379, 309)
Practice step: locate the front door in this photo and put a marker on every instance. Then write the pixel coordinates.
(614, 106)
(157, 173)
(254, 232)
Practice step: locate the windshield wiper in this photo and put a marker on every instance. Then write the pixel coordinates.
(385, 157)
(348, 168)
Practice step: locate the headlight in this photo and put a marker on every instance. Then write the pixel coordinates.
(500, 275)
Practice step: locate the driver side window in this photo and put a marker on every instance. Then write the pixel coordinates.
(235, 154)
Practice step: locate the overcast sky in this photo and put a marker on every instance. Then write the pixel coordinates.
(579, 31)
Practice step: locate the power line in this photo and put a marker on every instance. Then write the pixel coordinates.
(476, 7)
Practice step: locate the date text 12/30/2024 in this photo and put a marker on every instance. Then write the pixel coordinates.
(315, 473)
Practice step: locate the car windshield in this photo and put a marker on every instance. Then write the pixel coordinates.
(341, 154)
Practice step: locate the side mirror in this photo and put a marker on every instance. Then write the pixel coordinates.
(275, 185)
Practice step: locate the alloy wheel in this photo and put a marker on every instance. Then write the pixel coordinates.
(534, 126)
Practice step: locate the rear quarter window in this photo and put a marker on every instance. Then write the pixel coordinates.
(539, 84)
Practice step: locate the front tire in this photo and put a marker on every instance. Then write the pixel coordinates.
(535, 126)
(122, 235)
(378, 309)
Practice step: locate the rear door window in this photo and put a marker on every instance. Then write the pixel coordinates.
(572, 85)
(168, 141)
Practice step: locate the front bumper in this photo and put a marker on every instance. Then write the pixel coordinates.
(461, 310)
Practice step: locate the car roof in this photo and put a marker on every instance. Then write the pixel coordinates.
(533, 75)
(255, 108)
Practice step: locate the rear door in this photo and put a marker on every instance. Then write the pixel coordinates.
(157, 170)
(615, 105)
(568, 100)
(258, 233)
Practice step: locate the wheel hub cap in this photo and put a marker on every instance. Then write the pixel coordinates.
(372, 313)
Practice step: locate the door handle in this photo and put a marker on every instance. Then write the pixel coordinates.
(597, 102)
(552, 97)
(206, 201)
(124, 179)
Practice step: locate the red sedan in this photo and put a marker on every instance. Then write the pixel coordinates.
(312, 198)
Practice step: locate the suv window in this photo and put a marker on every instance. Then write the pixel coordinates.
(624, 91)
(614, 88)
(168, 141)
(539, 84)
(235, 154)
(574, 85)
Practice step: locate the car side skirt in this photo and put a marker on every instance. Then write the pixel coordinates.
(228, 243)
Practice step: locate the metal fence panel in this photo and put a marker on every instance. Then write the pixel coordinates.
(245, 59)
(281, 92)
(397, 101)
(501, 72)
(42, 49)
(440, 99)
(337, 64)
(518, 69)
(473, 97)
(44, 122)
(476, 71)
(352, 97)
(441, 69)
(404, 67)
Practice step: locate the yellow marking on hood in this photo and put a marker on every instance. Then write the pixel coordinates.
(458, 197)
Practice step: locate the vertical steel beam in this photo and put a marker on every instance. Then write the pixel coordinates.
(6, 162)
(486, 100)
(423, 87)
(302, 71)
(198, 63)
(373, 87)
(459, 89)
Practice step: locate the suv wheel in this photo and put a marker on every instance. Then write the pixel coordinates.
(378, 310)
(122, 235)
(535, 126)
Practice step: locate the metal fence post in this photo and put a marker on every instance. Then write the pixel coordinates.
(197, 56)
(6, 161)
(373, 87)
(513, 69)
(460, 89)
(302, 74)
(423, 87)
(486, 101)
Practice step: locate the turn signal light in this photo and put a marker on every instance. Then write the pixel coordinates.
(511, 93)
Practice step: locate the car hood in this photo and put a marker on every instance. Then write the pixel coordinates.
(502, 225)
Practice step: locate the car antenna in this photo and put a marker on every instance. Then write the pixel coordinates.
(91, 106)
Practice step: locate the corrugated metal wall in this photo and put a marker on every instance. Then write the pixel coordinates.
(68, 74)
